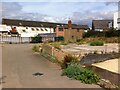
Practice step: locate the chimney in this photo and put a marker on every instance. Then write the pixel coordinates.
(69, 24)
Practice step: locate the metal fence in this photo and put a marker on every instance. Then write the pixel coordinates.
(14, 39)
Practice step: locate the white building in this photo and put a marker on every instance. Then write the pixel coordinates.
(24, 28)
(117, 20)
(3, 28)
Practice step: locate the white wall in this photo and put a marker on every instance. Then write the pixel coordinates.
(30, 33)
(116, 24)
(3, 28)
(99, 30)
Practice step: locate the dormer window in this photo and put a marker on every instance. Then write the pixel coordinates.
(33, 29)
(23, 30)
(41, 25)
(20, 23)
(42, 29)
(37, 29)
(46, 29)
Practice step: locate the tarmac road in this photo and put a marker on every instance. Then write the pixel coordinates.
(19, 64)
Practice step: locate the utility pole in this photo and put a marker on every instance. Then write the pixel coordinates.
(118, 27)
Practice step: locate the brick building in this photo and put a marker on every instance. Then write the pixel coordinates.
(71, 32)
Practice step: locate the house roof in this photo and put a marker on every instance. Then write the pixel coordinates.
(101, 24)
(74, 26)
(15, 22)
(28, 23)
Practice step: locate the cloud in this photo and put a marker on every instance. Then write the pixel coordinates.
(61, 0)
(13, 10)
(80, 15)
(87, 16)
(10, 8)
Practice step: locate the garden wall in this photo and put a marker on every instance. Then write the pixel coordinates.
(47, 49)
(105, 74)
(54, 52)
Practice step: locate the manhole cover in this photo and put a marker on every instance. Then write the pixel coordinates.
(38, 74)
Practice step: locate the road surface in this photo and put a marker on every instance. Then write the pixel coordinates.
(20, 63)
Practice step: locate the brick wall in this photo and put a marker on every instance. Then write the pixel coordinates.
(59, 54)
(53, 51)
(47, 49)
(73, 34)
(59, 33)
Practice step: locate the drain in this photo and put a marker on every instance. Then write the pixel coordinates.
(38, 74)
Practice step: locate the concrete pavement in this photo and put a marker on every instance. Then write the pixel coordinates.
(19, 64)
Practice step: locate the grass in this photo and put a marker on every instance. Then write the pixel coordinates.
(50, 57)
(36, 48)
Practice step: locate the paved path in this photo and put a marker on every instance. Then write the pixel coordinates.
(19, 64)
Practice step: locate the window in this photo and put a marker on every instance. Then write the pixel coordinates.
(72, 37)
(37, 29)
(20, 23)
(32, 29)
(26, 27)
(46, 29)
(77, 30)
(23, 30)
(60, 29)
(42, 29)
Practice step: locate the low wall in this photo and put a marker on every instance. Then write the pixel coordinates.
(105, 74)
(59, 54)
(54, 52)
(47, 49)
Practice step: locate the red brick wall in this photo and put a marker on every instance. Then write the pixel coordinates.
(59, 33)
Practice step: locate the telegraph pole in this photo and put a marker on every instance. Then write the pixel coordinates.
(118, 27)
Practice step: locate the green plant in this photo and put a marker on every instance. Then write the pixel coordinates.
(53, 59)
(50, 57)
(67, 59)
(56, 45)
(35, 48)
(96, 43)
(45, 54)
(75, 71)
(64, 43)
(36, 39)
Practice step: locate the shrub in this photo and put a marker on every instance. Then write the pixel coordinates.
(78, 40)
(96, 43)
(75, 71)
(110, 33)
(56, 45)
(36, 39)
(67, 60)
(60, 38)
(64, 43)
(35, 48)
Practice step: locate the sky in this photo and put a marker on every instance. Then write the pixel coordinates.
(80, 12)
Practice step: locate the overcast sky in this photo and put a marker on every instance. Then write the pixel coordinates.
(79, 12)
